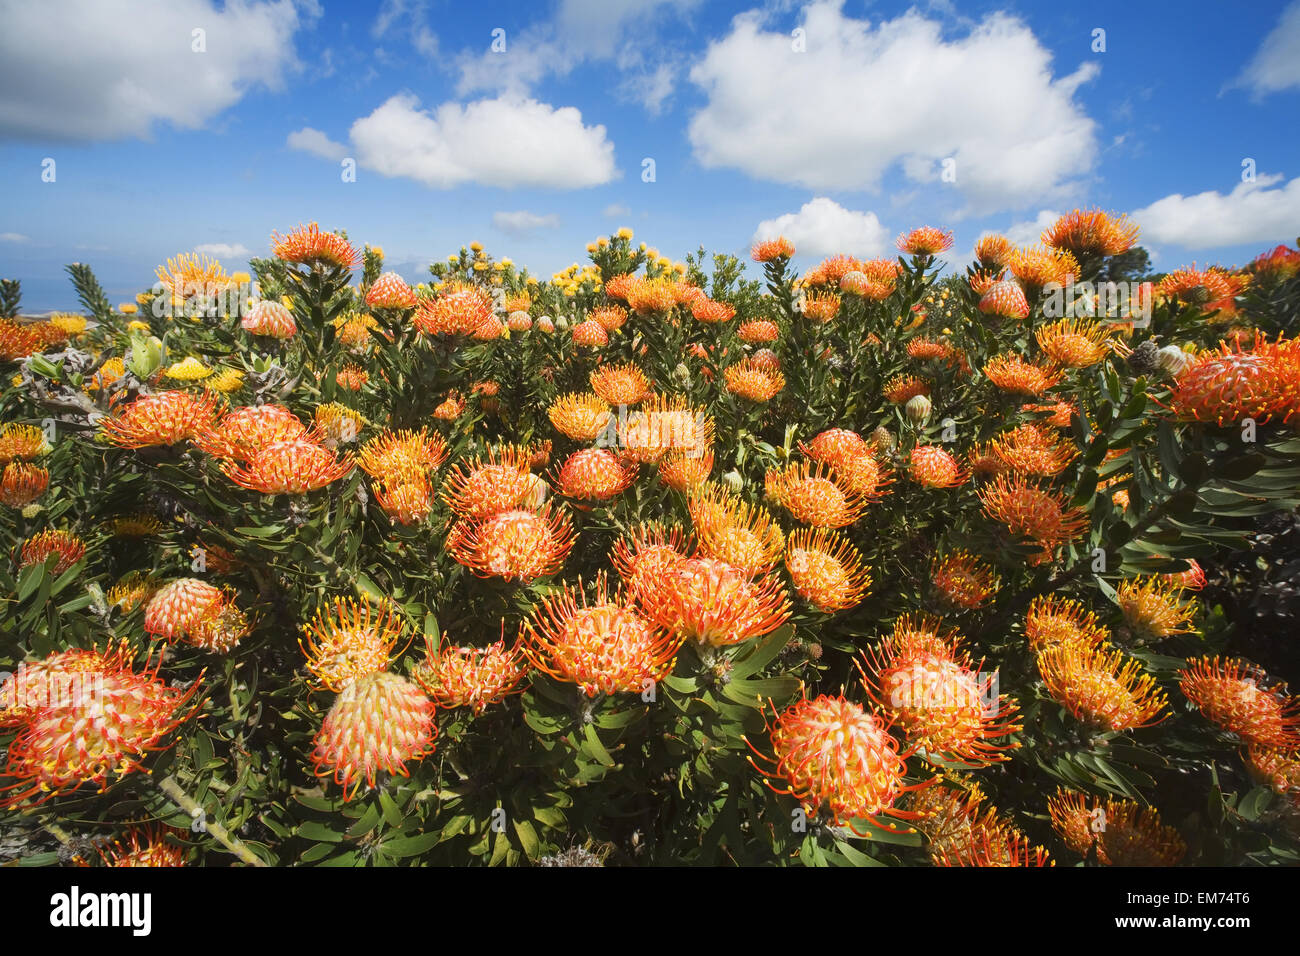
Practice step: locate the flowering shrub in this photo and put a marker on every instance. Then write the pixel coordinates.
(650, 562)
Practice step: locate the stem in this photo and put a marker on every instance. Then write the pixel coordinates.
(173, 790)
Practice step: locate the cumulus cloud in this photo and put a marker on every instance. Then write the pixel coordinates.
(1251, 213)
(507, 142)
(1276, 64)
(823, 227)
(13, 237)
(108, 69)
(863, 99)
(413, 16)
(523, 222)
(224, 250)
(317, 143)
(1030, 233)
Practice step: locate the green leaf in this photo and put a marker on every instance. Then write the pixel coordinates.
(392, 814)
(596, 748)
(762, 653)
(527, 838)
(405, 846)
(318, 832)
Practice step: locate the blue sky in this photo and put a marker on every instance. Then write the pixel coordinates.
(831, 122)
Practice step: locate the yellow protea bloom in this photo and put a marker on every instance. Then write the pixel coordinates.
(744, 535)
(582, 416)
(348, 640)
(1153, 608)
(826, 569)
(188, 370)
(1073, 343)
(68, 324)
(193, 274)
(22, 442)
(134, 526)
(338, 423)
(131, 591)
(226, 380)
(128, 308)
(1053, 620)
(1098, 687)
(624, 233)
(137, 326)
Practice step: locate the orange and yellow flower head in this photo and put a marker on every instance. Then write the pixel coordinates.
(473, 677)
(390, 291)
(269, 319)
(242, 433)
(66, 547)
(290, 468)
(582, 416)
(963, 580)
(595, 474)
(711, 602)
(815, 494)
(161, 418)
(1053, 620)
(307, 245)
(347, 640)
(1239, 697)
(1101, 689)
(517, 545)
(827, 571)
(1091, 232)
(484, 485)
(620, 384)
(735, 531)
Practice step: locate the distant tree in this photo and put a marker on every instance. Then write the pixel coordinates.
(1131, 266)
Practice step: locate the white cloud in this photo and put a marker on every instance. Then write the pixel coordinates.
(504, 142)
(224, 250)
(317, 143)
(523, 221)
(822, 228)
(1030, 233)
(1276, 64)
(862, 99)
(13, 237)
(1251, 213)
(414, 17)
(616, 209)
(107, 69)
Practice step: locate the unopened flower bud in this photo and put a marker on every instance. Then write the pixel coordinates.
(1173, 359)
(917, 409)
(882, 439)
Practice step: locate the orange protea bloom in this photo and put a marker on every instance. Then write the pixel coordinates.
(270, 319)
(17, 341)
(58, 681)
(743, 535)
(145, 846)
(951, 820)
(684, 472)
(450, 408)
(902, 388)
(619, 286)
(648, 552)
(1076, 818)
(1152, 608)
(769, 249)
(290, 468)
(336, 423)
(595, 474)
(1029, 511)
(609, 317)
(924, 349)
(835, 446)
(352, 377)
(815, 494)
(1059, 414)
(1032, 449)
(981, 460)
(1002, 298)
(1281, 262)
(1038, 266)
(1130, 835)
(758, 331)
(1091, 231)
(710, 312)
(516, 545)
(66, 546)
(1232, 385)
(620, 384)
(473, 677)
(711, 602)
(940, 702)
(354, 330)
(242, 433)
(826, 569)
(407, 500)
(177, 607)
(402, 454)
(519, 321)
(821, 307)
(390, 291)
(860, 284)
(647, 296)
(163, 418)
(1195, 286)
(932, 467)
(378, 722)
(462, 310)
(665, 424)
(753, 381)
(21, 484)
(349, 641)
(1013, 374)
(994, 252)
(993, 842)
(582, 416)
(1053, 621)
(853, 460)
(830, 753)
(925, 241)
(480, 487)
(1074, 343)
(590, 333)
(963, 580)
(604, 646)
(307, 244)
(193, 274)
(1100, 688)
(23, 442)
(108, 374)
(1236, 696)
(1275, 767)
(1193, 579)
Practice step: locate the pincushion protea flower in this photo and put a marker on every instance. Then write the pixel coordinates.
(994, 843)
(17, 341)
(731, 530)
(1281, 262)
(1236, 696)
(1013, 374)
(481, 486)
(336, 424)
(1123, 833)
(131, 590)
(684, 472)
(1005, 299)
(308, 245)
(711, 602)
(902, 388)
(1091, 231)
(829, 753)
(1098, 687)
(22, 442)
(349, 640)
(1152, 608)
(289, 468)
(1232, 385)
(758, 331)
(408, 499)
(390, 291)
(605, 646)
(1274, 767)
(925, 241)
(582, 416)
(620, 384)
(590, 334)
(450, 408)
(932, 467)
(821, 307)
(270, 319)
(646, 553)
(994, 251)
(405, 453)
(461, 310)
(826, 569)
(193, 274)
(925, 349)
(1032, 450)
(595, 474)
(770, 249)
(1074, 343)
(814, 494)
(378, 722)
(242, 433)
(650, 296)
(1052, 620)
(101, 730)
(59, 680)
(1030, 512)
(178, 606)
(1059, 414)
(609, 317)
(963, 580)
(145, 846)
(706, 310)
(1193, 579)
(1037, 266)
(516, 545)
(1196, 286)
(665, 424)
(21, 483)
(758, 383)
(68, 548)
(162, 418)
(473, 677)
